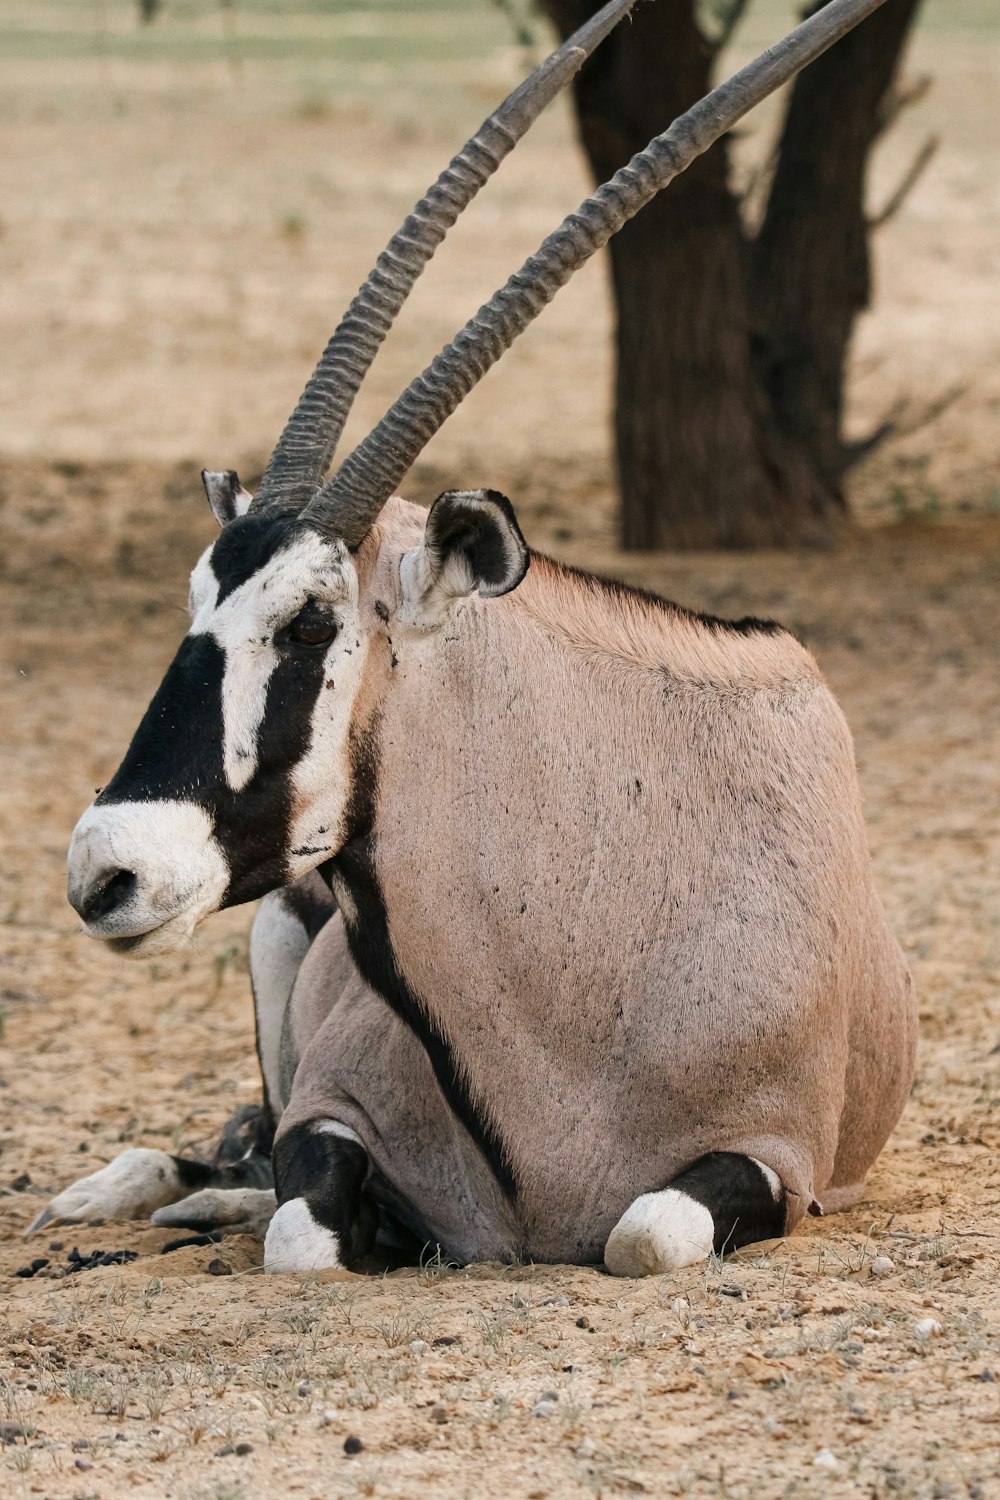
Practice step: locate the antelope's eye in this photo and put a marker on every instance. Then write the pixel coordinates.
(311, 630)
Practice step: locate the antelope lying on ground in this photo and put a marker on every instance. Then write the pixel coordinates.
(569, 947)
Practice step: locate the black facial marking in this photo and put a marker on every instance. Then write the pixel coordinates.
(329, 1172)
(737, 1195)
(366, 922)
(177, 751)
(254, 825)
(246, 545)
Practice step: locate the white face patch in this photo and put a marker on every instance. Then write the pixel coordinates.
(181, 873)
(203, 591)
(321, 780)
(244, 625)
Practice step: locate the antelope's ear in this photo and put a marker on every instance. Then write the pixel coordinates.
(472, 543)
(226, 495)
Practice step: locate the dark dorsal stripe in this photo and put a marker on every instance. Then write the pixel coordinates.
(616, 589)
(366, 922)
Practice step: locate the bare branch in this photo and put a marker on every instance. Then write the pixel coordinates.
(900, 100)
(897, 423)
(907, 183)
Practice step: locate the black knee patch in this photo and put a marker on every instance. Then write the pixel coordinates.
(329, 1172)
(739, 1197)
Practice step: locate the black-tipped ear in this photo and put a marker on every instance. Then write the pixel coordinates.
(226, 495)
(472, 542)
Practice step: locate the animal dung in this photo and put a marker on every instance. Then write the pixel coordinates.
(77, 1262)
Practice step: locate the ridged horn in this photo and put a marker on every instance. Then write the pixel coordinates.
(306, 447)
(347, 506)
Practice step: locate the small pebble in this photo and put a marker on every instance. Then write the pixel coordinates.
(81, 1445)
(419, 1346)
(353, 1445)
(329, 1418)
(438, 1414)
(825, 1460)
(681, 1309)
(219, 1267)
(927, 1328)
(583, 1322)
(987, 1376)
(242, 1449)
(11, 1430)
(555, 1302)
(305, 1387)
(82, 1464)
(543, 1408)
(225, 1450)
(882, 1266)
(586, 1449)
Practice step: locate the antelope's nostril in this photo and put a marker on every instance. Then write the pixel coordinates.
(107, 894)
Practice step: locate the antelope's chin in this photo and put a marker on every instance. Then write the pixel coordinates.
(165, 937)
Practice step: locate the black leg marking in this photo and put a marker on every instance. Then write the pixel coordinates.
(242, 1158)
(738, 1194)
(329, 1172)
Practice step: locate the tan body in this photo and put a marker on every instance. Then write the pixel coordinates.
(627, 876)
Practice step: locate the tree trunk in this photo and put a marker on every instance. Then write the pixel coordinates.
(810, 262)
(707, 453)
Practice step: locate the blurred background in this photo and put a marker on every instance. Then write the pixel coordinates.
(188, 204)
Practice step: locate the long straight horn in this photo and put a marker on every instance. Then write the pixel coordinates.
(303, 454)
(350, 502)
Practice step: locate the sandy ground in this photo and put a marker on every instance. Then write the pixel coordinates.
(160, 302)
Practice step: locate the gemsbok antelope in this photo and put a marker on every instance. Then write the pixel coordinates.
(569, 947)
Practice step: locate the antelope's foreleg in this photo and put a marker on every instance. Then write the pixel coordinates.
(323, 1219)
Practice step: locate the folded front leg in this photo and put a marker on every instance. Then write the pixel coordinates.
(221, 1210)
(323, 1219)
(132, 1186)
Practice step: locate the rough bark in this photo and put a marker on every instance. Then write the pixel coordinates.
(811, 273)
(721, 440)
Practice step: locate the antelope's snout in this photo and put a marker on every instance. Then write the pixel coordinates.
(143, 874)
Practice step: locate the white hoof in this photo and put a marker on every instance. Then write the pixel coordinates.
(234, 1210)
(130, 1187)
(660, 1232)
(295, 1242)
